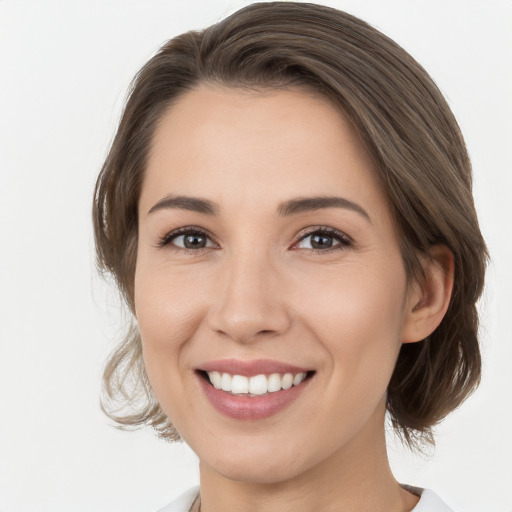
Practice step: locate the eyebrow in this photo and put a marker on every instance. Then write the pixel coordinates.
(194, 204)
(308, 204)
(291, 207)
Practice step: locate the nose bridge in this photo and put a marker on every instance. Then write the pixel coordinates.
(249, 304)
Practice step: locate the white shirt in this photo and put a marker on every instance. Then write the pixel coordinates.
(429, 501)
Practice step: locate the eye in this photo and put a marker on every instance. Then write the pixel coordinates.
(187, 239)
(324, 240)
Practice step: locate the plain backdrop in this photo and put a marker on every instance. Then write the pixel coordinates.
(64, 71)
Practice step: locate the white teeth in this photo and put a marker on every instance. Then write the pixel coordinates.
(274, 382)
(298, 378)
(216, 379)
(239, 384)
(225, 382)
(287, 381)
(257, 385)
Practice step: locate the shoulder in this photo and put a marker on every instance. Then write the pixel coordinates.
(429, 501)
(183, 503)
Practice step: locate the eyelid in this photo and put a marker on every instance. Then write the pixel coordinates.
(166, 240)
(344, 240)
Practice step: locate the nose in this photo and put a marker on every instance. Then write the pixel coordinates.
(250, 301)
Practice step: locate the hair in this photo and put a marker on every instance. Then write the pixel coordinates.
(407, 128)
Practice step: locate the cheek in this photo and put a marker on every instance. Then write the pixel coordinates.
(167, 312)
(358, 317)
(166, 305)
(357, 320)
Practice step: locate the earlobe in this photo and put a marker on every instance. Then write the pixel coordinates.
(428, 301)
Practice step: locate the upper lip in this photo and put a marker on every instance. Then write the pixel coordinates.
(251, 368)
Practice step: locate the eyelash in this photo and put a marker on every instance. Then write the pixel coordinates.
(343, 240)
(166, 240)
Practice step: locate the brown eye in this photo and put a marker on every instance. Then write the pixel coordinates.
(324, 240)
(194, 241)
(321, 241)
(187, 239)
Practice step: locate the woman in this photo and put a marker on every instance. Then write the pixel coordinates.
(287, 210)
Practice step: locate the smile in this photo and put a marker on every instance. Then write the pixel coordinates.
(252, 390)
(257, 385)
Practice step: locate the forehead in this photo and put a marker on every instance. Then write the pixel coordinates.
(249, 148)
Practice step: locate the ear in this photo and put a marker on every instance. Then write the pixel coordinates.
(428, 301)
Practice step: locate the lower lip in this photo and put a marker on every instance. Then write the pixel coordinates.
(242, 407)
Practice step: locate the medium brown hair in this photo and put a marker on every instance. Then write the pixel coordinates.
(407, 128)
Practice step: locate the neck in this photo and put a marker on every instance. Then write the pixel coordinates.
(355, 478)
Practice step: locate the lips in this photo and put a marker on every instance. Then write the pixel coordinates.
(252, 390)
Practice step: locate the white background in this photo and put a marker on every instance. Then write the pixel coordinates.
(64, 70)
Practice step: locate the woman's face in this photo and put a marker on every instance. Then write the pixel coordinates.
(266, 248)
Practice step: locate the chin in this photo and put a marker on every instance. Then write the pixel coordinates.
(254, 461)
(270, 463)
(256, 472)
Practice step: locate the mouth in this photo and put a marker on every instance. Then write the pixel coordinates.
(256, 385)
(252, 390)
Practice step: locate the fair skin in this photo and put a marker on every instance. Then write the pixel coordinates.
(250, 278)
